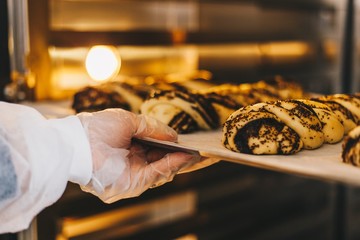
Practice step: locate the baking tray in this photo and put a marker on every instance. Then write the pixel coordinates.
(324, 163)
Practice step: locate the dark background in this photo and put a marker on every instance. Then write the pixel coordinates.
(4, 51)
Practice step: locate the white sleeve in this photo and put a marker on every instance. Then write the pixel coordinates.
(38, 157)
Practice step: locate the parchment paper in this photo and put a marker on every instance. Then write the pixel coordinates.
(324, 163)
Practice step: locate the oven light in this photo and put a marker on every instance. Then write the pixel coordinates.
(102, 63)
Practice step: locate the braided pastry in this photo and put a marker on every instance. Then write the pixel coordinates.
(91, 99)
(130, 93)
(351, 147)
(110, 95)
(345, 106)
(189, 104)
(271, 89)
(188, 112)
(287, 126)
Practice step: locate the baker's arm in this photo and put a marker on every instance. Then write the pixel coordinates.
(37, 158)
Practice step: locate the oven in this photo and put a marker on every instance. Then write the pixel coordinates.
(315, 42)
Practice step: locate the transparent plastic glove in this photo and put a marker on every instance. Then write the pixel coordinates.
(121, 168)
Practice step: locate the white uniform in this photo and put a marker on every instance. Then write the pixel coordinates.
(38, 156)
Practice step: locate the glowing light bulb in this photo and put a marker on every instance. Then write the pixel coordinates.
(102, 63)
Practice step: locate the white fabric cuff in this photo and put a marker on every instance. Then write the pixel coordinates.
(72, 131)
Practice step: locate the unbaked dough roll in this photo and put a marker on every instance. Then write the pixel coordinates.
(188, 112)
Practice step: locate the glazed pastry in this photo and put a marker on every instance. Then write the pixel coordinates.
(351, 147)
(281, 127)
(188, 112)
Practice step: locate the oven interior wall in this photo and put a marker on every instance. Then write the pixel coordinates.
(238, 41)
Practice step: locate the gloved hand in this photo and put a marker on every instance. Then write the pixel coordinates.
(121, 168)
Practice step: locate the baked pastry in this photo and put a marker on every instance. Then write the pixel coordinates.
(351, 147)
(186, 112)
(129, 93)
(192, 81)
(270, 89)
(283, 88)
(282, 127)
(110, 95)
(345, 106)
(186, 108)
(187, 103)
(332, 127)
(91, 99)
